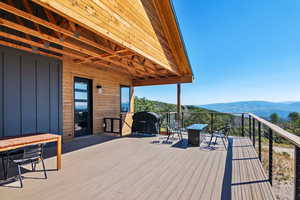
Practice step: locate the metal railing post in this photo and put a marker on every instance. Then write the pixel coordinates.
(250, 130)
(297, 173)
(211, 122)
(243, 124)
(253, 132)
(168, 123)
(182, 120)
(120, 127)
(259, 140)
(271, 156)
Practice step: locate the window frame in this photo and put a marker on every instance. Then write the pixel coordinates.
(129, 108)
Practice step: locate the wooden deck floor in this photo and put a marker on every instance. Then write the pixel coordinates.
(101, 167)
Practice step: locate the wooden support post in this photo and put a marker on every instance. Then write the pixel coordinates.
(243, 124)
(259, 140)
(297, 173)
(58, 152)
(253, 132)
(178, 105)
(271, 156)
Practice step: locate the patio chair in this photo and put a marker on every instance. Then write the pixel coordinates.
(4, 159)
(31, 155)
(3, 156)
(174, 129)
(222, 134)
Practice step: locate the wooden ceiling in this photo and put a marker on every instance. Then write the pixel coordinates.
(39, 27)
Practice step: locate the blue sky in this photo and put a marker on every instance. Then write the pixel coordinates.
(239, 50)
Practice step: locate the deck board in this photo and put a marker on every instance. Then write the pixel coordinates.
(138, 168)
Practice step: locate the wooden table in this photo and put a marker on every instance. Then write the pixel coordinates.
(12, 143)
(194, 132)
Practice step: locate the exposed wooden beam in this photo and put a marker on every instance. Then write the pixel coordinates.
(171, 69)
(67, 44)
(56, 28)
(19, 20)
(64, 52)
(52, 19)
(138, 67)
(162, 81)
(29, 9)
(36, 44)
(52, 26)
(16, 46)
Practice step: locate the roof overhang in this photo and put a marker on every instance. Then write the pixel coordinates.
(162, 81)
(146, 46)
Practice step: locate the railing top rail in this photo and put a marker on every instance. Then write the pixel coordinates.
(281, 132)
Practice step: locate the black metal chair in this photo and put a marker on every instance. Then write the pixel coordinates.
(31, 155)
(174, 129)
(3, 156)
(222, 134)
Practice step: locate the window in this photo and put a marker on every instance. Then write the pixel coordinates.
(125, 98)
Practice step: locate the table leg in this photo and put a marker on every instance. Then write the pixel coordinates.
(58, 153)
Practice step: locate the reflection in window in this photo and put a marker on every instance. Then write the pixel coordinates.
(125, 99)
(81, 86)
(81, 106)
(81, 95)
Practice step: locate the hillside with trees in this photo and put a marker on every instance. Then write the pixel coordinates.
(191, 114)
(291, 124)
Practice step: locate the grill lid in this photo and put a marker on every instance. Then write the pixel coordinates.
(146, 116)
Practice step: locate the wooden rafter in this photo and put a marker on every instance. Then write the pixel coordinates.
(53, 39)
(37, 44)
(19, 20)
(62, 28)
(16, 46)
(58, 8)
(67, 44)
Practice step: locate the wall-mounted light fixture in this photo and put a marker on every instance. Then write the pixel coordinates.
(100, 89)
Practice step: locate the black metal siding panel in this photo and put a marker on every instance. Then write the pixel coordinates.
(28, 94)
(43, 96)
(54, 97)
(12, 98)
(1, 94)
(60, 98)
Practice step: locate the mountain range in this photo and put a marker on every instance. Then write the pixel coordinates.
(261, 108)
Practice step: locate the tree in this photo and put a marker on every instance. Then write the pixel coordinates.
(294, 117)
(274, 118)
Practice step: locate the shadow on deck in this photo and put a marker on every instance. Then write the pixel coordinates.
(107, 167)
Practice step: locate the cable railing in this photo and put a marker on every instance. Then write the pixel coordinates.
(277, 149)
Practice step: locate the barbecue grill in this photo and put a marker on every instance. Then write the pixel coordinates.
(146, 123)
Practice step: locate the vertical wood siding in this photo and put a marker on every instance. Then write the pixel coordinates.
(30, 93)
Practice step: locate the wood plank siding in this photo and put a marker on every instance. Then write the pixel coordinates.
(106, 104)
(132, 23)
